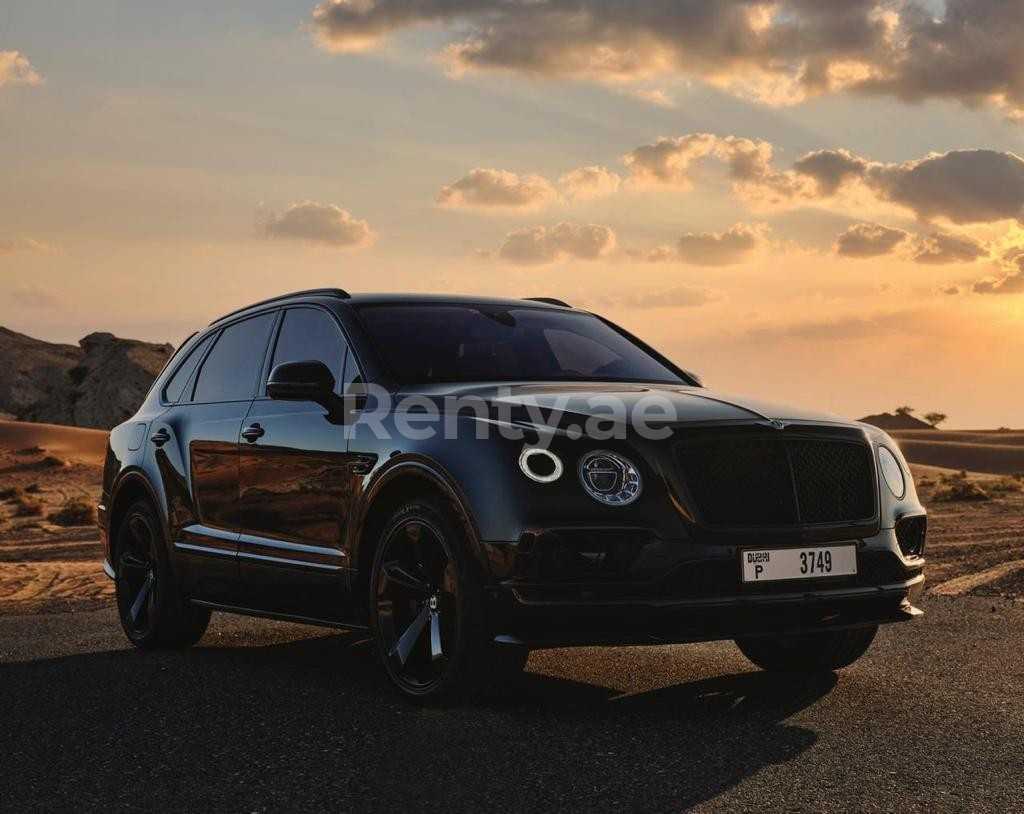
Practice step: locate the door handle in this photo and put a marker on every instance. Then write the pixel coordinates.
(160, 437)
(253, 432)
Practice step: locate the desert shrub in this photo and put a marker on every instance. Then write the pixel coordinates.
(33, 489)
(27, 507)
(9, 492)
(1007, 485)
(925, 481)
(33, 450)
(51, 461)
(76, 511)
(959, 489)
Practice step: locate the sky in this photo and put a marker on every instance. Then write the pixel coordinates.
(818, 203)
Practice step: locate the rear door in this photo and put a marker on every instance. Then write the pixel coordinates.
(297, 483)
(197, 455)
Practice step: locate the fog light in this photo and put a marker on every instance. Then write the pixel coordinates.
(610, 478)
(540, 465)
(892, 472)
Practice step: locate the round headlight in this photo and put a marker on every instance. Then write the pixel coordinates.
(540, 465)
(892, 472)
(610, 478)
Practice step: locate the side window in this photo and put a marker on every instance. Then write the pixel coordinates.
(229, 372)
(176, 384)
(311, 334)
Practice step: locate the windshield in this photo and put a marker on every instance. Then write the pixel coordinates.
(424, 343)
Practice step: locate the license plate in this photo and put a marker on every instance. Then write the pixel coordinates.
(770, 564)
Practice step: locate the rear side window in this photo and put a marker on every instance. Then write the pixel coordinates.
(229, 372)
(176, 384)
(310, 334)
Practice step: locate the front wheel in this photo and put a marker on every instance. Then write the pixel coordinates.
(154, 613)
(427, 610)
(808, 652)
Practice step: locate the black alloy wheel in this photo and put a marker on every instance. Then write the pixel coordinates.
(136, 575)
(153, 612)
(427, 620)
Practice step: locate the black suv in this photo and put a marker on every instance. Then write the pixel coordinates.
(471, 478)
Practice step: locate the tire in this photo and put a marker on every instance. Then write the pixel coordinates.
(808, 652)
(427, 610)
(154, 614)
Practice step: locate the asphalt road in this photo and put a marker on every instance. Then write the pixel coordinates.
(267, 716)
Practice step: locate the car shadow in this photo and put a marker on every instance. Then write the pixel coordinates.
(313, 724)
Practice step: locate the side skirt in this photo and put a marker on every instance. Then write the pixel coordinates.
(279, 617)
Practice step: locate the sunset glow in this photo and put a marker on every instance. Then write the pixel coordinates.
(825, 209)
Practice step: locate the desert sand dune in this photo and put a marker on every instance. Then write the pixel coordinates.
(67, 443)
(995, 452)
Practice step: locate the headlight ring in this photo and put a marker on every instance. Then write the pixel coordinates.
(540, 465)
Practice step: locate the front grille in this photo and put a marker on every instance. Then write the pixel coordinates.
(753, 480)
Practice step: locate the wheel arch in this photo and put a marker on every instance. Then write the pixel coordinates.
(132, 487)
(401, 483)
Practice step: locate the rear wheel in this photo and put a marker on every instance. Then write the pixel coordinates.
(154, 613)
(427, 612)
(808, 652)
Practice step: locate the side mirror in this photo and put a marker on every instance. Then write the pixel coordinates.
(301, 381)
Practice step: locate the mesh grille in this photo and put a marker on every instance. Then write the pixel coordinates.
(764, 482)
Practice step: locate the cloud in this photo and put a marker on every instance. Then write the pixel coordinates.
(943, 247)
(540, 245)
(584, 183)
(830, 168)
(831, 331)
(852, 327)
(964, 186)
(868, 240)
(26, 244)
(15, 69)
(960, 186)
(1011, 283)
(498, 189)
(317, 223)
(712, 248)
(772, 51)
(972, 54)
(683, 296)
(668, 160)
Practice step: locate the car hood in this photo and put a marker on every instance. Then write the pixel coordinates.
(590, 399)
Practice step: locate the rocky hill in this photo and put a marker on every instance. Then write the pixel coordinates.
(98, 384)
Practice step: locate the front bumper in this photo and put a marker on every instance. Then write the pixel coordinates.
(540, 625)
(693, 592)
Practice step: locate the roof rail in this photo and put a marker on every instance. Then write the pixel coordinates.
(340, 293)
(550, 301)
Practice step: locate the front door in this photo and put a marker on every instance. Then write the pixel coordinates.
(196, 451)
(296, 484)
